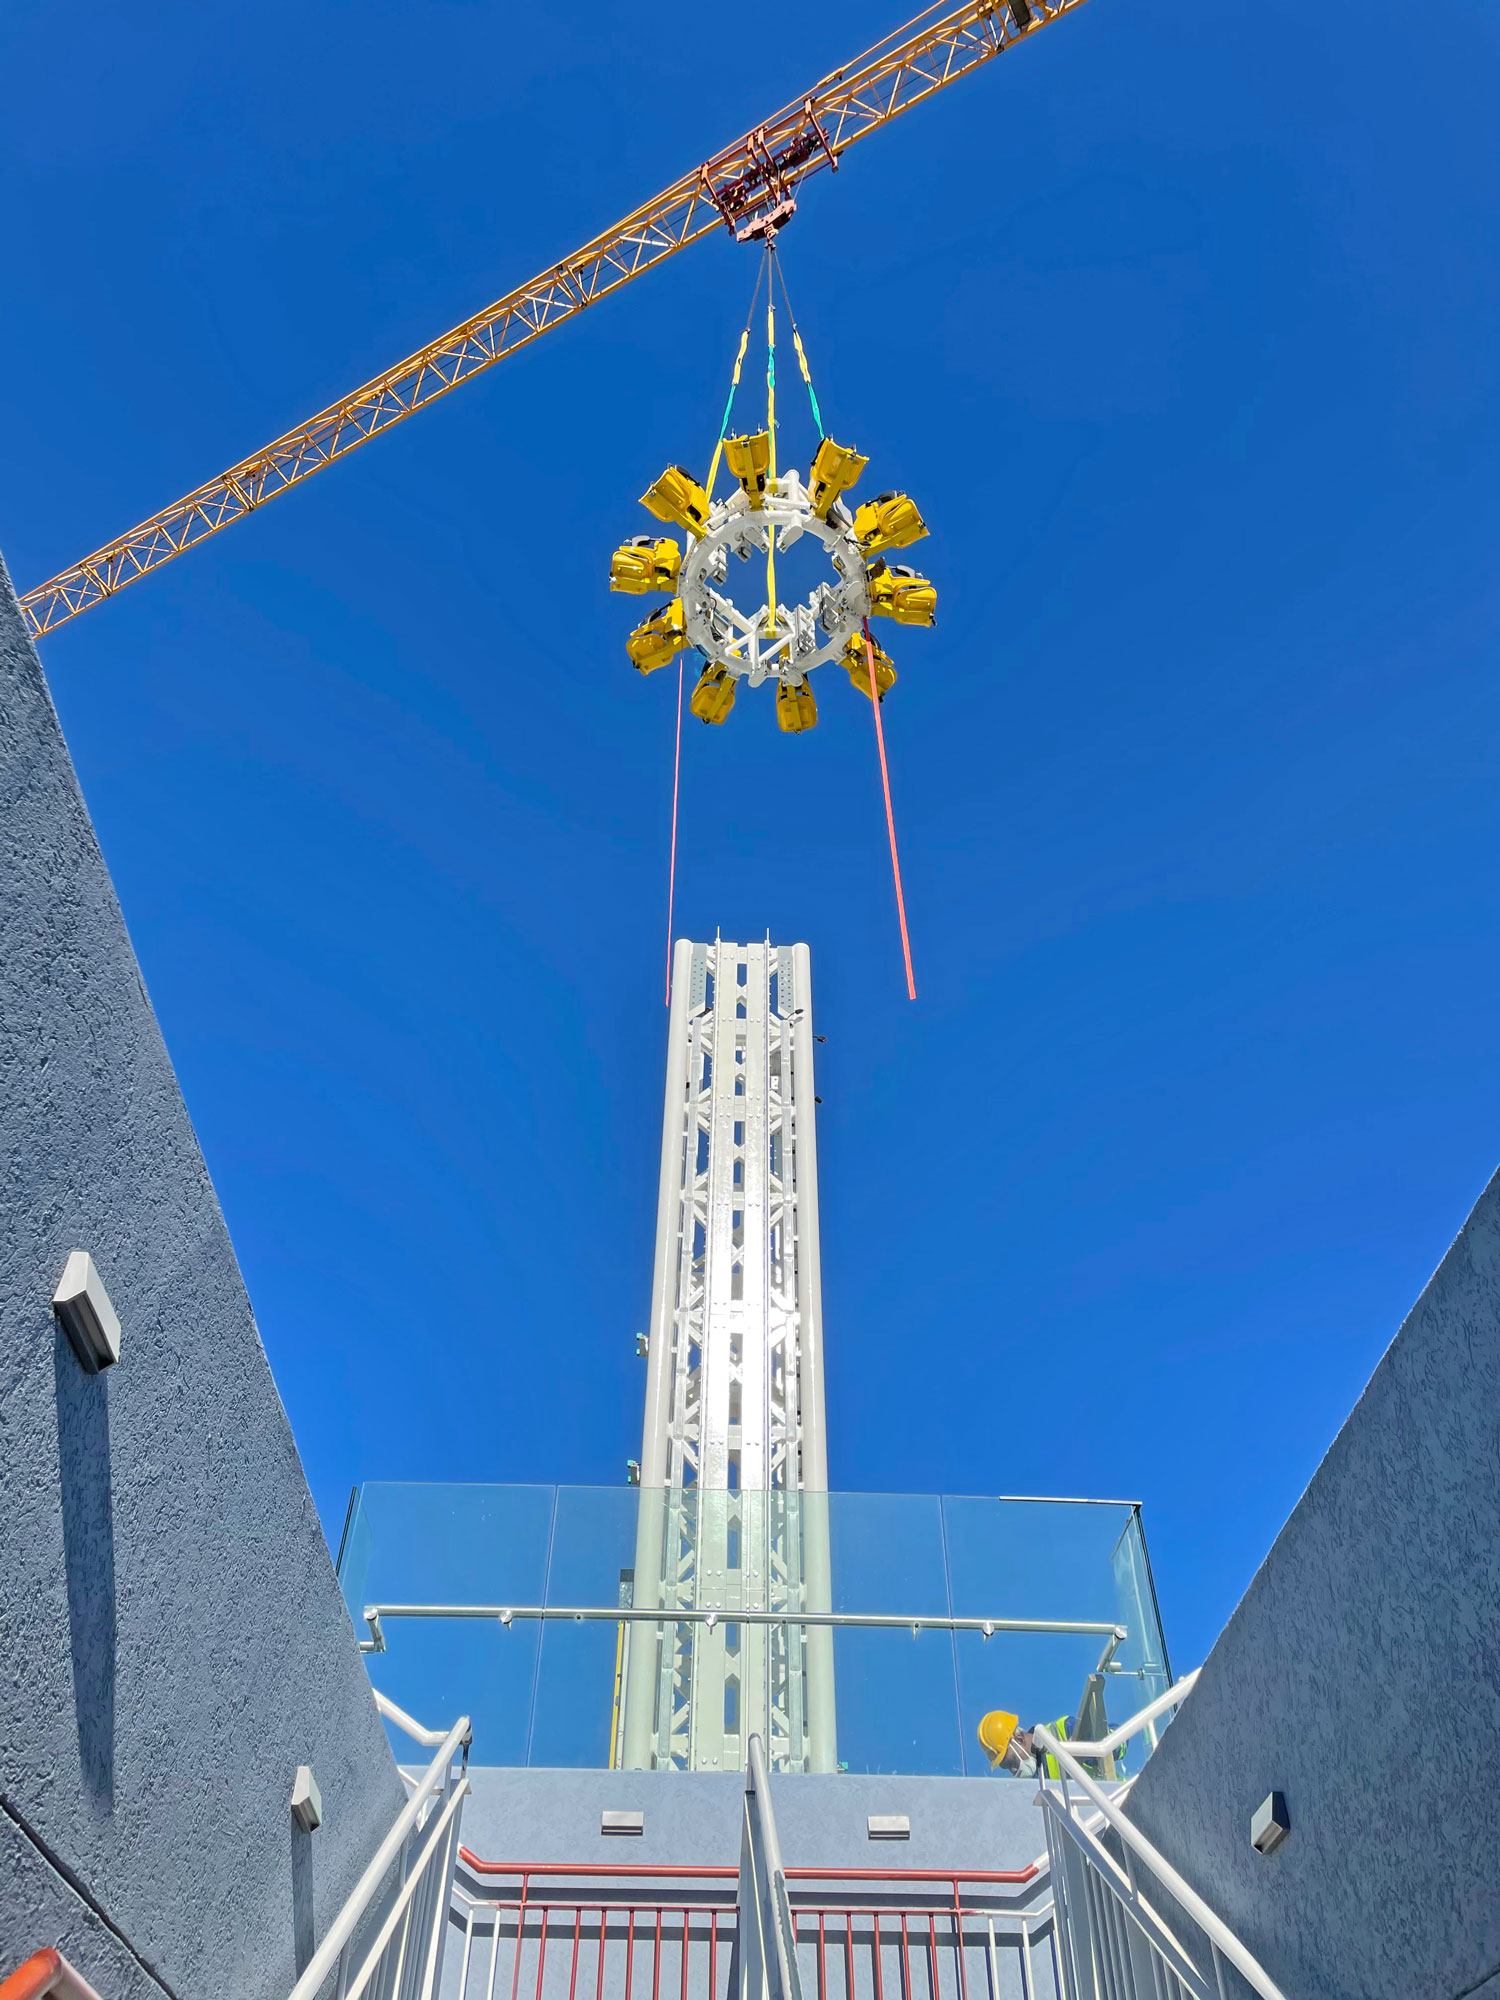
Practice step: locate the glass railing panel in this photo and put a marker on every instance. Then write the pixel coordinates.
(545, 1692)
(1032, 1558)
(895, 1701)
(433, 1543)
(573, 1721)
(439, 1543)
(1143, 1669)
(592, 1542)
(887, 1552)
(591, 1563)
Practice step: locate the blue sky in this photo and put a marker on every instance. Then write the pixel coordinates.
(1181, 325)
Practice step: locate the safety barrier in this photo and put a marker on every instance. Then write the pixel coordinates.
(889, 1934)
(604, 1931)
(403, 1897)
(1128, 1926)
(763, 1931)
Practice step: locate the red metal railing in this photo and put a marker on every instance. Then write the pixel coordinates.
(620, 1940)
(632, 1938)
(854, 1937)
(46, 1971)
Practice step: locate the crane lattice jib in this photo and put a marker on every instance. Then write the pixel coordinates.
(741, 188)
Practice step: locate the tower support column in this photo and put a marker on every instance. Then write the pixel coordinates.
(734, 1511)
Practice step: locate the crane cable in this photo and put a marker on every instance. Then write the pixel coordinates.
(770, 261)
(885, 775)
(734, 380)
(708, 486)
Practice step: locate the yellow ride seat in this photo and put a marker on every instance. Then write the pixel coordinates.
(857, 667)
(834, 469)
(796, 709)
(658, 638)
(645, 563)
(713, 697)
(889, 521)
(900, 593)
(677, 497)
(749, 459)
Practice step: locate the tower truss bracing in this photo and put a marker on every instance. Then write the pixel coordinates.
(734, 1468)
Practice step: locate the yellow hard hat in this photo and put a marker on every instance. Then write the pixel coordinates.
(995, 1731)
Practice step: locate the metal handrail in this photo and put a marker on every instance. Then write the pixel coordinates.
(666, 1614)
(398, 1908)
(704, 1871)
(1105, 1746)
(1218, 1933)
(402, 1720)
(762, 1894)
(370, 1883)
(46, 1972)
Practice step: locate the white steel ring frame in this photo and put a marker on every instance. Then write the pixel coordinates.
(806, 634)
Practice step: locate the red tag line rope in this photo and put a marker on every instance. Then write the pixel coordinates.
(890, 821)
(890, 817)
(672, 865)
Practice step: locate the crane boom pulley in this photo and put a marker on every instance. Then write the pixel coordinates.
(748, 188)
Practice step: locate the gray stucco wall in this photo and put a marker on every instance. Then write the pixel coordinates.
(541, 1815)
(172, 1640)
(1361, 1677)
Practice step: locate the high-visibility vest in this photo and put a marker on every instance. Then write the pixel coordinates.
(1062, 1729)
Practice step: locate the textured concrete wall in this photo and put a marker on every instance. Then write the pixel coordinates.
(172, 1641)
(1368, 1641)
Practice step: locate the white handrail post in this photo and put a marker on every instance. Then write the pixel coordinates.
(764, 1974)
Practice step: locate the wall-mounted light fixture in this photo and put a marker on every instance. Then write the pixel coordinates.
(88, 1318)
(307, 1800)
(1270, 1823)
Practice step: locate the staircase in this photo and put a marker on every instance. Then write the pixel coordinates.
(1101, 1915)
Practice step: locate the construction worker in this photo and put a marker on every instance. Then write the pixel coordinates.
(1006, 1744)
(1013, 1750)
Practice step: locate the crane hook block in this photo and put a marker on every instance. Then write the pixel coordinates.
(899, 593)
(644, 563)
(889, 521)
(713, 697)
(796, 709)
(857, 667)
(659, 638)
(749, 459)
(834, 469)
(677, 497)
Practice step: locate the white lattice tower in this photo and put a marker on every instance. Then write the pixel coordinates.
(734, 1470)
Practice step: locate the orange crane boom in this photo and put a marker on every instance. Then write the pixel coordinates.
(747, 188)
